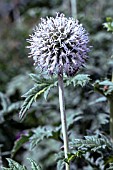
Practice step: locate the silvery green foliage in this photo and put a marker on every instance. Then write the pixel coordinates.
(104, 87)
(37, 135)
(13, 165)
(43, 85)
(7, 107)
(98, 144)
(58, 43)
(93, 143)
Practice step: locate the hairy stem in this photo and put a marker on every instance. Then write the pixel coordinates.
(63, 116)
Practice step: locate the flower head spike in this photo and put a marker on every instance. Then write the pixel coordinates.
(58, 44)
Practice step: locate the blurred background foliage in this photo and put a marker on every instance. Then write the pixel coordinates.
(86, 114)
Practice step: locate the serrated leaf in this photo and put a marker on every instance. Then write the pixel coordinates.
(100, 99)
(5, 103)
(46, 92)
(106, 83)
(99, 86)
(39, 134)
(96, 143)
(60, 165)
(14, 106)
(78, 80)
(73, 117)
(31, 97)
(43, 132)
(34, 165)
(18, 143)
(13, 165)
(34, 77)
(41, 86)
(25, 106)
(60, 160)
(103, 118)
(91, 142)
(39, 79)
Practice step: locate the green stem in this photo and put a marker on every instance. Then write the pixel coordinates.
(111, 118)
(63, 116)
(74, 8)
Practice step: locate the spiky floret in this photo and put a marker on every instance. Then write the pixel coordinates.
(58, 44)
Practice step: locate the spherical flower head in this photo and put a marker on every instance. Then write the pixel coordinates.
(59, 45)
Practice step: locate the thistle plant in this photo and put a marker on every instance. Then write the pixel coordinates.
(59, 46)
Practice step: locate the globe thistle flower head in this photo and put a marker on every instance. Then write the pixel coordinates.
(59, 45)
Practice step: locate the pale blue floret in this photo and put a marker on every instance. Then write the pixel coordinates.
(59, 42)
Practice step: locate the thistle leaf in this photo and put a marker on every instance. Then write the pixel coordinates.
(34, 165)
(73, 117)
(42, 132)
(18, 143)
(4, 101)
(92, 142)
(78, 80)
(95, 143)
(100, 99)
(104, 87)
(60, 160)
(52, 85)
(13, 165)
(41, 86)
